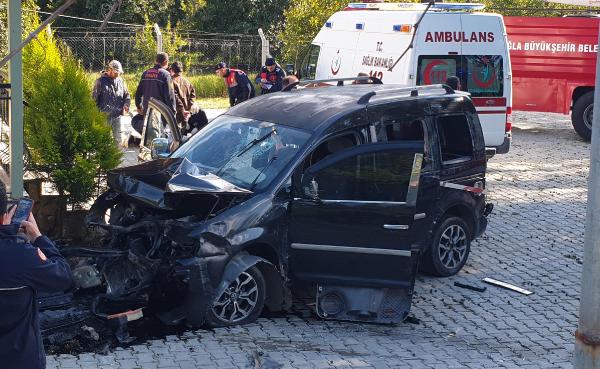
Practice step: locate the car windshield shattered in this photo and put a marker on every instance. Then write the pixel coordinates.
(244, 152)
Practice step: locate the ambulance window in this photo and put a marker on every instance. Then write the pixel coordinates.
(484, 75)
(456, 143)
(309, 66)
(435, 69)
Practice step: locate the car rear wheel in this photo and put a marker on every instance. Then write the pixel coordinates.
(582, 115)
(450, 248)
(242, 301)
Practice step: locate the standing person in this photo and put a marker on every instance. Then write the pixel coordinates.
(270, 77)
(111, 95)
(238, 84)
(29, 264)
(184, 94)
(156, 82)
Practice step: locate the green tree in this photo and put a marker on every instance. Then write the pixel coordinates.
(144, 48)
(68, 138)
(239, 16)
(130, 11)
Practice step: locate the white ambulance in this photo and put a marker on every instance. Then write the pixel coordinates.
(448, 39)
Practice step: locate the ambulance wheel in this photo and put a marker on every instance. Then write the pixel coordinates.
(582, 115)
(449, 249)
(242, 301)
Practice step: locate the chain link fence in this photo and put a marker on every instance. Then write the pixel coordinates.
(200, 52)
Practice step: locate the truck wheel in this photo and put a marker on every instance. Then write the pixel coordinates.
(582, 115)
(450, 247)
(241, 303)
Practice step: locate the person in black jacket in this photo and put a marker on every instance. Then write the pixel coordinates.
(238, 84)
(156, 82)
(29, 264)
(270, 77)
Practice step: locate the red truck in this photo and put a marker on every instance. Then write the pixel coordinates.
(554, 66)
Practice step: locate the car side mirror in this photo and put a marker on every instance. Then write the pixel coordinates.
(159, 148)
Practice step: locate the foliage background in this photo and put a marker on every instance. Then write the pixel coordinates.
(68, 138)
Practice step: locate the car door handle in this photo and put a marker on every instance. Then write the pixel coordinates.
(396, 226)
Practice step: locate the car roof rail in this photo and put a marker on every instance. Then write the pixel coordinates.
(340, 81)
(414, 91)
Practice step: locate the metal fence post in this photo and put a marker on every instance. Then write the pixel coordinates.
(264, 47)
(159, 40)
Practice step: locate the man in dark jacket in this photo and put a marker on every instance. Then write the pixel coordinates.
(270, 77)
(238, 84)
(185, 95)
(29, 264)
(110, 91)
(156, 82)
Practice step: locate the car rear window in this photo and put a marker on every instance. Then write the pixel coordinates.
(481, 75)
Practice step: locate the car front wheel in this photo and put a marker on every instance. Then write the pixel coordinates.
(242, 301)
(450, 247)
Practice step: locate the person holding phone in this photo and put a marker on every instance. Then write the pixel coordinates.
(29, 263)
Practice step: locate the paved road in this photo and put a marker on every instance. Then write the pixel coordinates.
(534, 240)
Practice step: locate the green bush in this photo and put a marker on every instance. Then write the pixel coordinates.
(67, 136)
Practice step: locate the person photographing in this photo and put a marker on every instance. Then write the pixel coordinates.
(29, 264)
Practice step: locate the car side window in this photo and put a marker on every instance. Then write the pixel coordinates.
(456, 142)
(391, 129)
(331, 146)
(377, 176)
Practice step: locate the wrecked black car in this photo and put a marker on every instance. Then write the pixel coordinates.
(344, 188)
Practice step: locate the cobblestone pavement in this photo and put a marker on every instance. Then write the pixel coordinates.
(534, 240)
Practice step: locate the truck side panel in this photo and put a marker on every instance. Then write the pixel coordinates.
(551, 57)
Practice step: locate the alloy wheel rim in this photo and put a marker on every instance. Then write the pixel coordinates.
(588, 116)
(238, 300)
(452, 246)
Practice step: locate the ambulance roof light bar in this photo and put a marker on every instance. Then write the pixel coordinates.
(416, 6)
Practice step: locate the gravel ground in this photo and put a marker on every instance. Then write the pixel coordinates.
(534, 240)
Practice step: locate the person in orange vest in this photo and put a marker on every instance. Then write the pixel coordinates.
(238, 84)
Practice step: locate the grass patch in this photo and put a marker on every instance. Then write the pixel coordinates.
(206, 85)
(213, 102)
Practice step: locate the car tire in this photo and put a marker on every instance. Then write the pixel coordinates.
(222, 311)
(582, 114)
(449, 249)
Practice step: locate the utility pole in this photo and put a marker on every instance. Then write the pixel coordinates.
(15, 68)
(587, 335)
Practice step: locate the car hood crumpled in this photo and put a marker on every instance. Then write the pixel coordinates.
(164, 183)
(190, 178)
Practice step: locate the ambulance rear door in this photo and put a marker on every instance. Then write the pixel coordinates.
(486, 73)
(436, 48)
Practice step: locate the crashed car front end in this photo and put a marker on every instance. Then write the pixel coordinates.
(149, 257)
